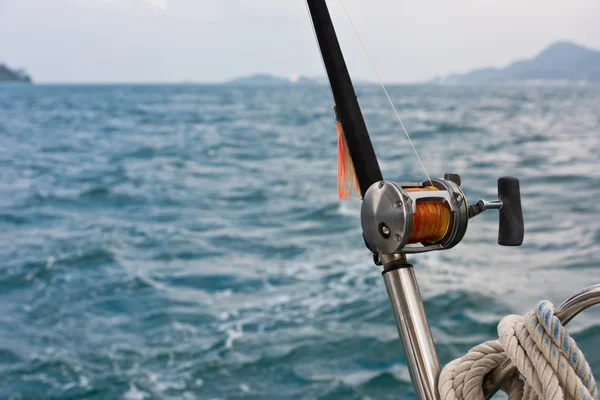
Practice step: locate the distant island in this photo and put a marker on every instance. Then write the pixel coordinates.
(560, 62)
(272, 80)
(292, 80)
(9, 75)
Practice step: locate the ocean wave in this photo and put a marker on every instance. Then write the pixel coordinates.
(187, 241)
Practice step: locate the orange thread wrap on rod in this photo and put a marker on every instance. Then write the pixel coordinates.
(346, 178)
(431, 219)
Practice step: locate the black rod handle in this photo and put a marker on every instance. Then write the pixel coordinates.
(511, 230)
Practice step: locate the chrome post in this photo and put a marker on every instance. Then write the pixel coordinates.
(405, 298)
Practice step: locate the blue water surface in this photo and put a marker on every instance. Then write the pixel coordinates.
(186, 242)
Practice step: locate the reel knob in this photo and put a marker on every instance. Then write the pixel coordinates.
(511, 229)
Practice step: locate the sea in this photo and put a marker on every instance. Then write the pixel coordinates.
(186, 241)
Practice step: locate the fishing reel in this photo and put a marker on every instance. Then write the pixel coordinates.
(404, 218)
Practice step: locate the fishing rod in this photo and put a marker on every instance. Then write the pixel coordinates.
(402, 218)
(347, 109)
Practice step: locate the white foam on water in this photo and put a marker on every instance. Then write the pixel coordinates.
(134, 393)
(244, 388)
(233, 335)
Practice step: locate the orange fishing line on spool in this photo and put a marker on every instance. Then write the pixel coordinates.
(431, 219)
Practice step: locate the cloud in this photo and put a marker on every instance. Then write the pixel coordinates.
(121, 5)
(158, 4)
(212, 40)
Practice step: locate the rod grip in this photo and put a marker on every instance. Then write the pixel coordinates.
(511, 229)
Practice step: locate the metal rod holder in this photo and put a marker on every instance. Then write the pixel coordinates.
(405, 298)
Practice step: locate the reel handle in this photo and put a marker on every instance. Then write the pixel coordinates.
(511, 229)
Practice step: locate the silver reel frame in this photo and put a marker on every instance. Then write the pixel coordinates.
(387, 215)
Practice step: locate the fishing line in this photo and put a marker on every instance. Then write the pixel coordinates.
(385, 90)
(431, 220)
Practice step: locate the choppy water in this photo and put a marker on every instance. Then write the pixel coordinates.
(186, 242)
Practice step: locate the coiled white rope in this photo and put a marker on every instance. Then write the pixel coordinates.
(542, 350)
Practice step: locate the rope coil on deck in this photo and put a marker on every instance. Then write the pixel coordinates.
(542, 350)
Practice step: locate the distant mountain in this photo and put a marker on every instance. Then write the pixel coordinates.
(9, 75)
(559, 62)
(271, 80)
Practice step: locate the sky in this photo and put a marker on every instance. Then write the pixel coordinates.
(212, 41)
